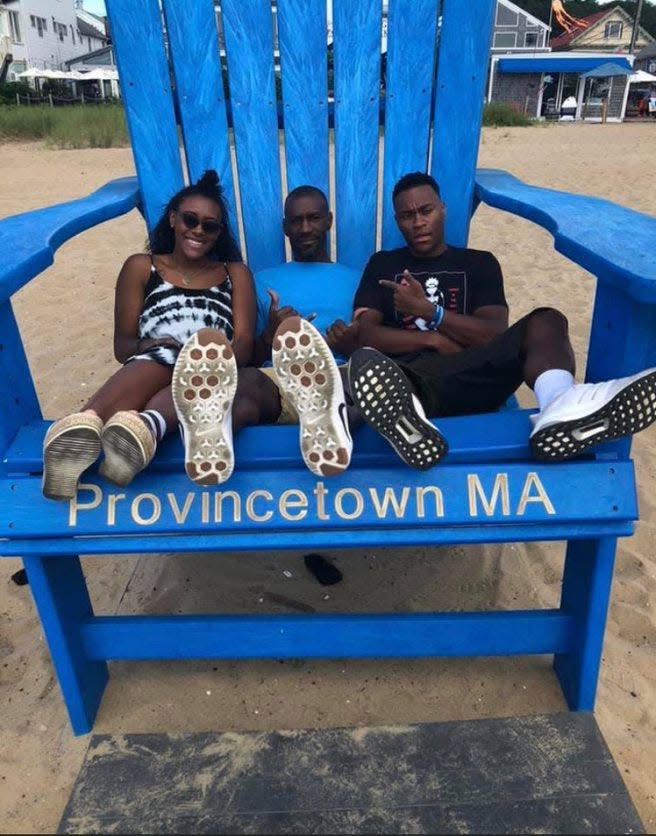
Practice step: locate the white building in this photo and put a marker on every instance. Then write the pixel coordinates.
(44, 34)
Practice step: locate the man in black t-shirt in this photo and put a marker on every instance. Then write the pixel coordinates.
(432, 323)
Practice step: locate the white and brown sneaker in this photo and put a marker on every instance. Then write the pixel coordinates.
(128, 445)
(70, 446)
(308, 375)
(203, 387)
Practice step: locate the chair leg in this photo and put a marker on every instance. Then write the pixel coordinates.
(62, 600)
(587, 580)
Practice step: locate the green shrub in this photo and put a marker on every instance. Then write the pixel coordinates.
(499, 114)
(9, 89)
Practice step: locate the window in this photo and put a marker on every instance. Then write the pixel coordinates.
(73, 34)
(506, 17)
(39, 23)
(60, 29)
(14, 26)
(652, 67)
(505, 39)
(613, 29)
(531, 38)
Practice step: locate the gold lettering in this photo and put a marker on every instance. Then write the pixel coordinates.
(205, 507)
(112, 499)
(359, 503)
(474, 489)
(287, 501)
(533, 480)
(439, 501)
(250, 503)
(389, 498)
(218, 505)
(136, 513)
(180, 515)
(320, 493)
(74, 505)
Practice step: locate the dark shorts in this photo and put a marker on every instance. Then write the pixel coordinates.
(478, 379)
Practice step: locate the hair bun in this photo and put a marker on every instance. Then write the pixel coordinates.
(210, 178)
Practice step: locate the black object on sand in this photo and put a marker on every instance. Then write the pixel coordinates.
(322, 569)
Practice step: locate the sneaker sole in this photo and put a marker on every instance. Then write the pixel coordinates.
(631, 410)
(384, 397)
(128, 447)
(65, 458)
(307, 373)
(203, 386)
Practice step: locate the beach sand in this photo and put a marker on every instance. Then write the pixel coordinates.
(66, 319)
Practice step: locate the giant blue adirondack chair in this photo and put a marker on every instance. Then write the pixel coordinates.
(487, 490)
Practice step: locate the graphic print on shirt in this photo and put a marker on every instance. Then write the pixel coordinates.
(447, 288)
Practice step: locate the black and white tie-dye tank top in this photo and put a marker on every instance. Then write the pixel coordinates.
(178, 312)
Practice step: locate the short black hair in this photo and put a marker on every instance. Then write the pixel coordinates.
(306, 191)
(412, 180)
(162, 239)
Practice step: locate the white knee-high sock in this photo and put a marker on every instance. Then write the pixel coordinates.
(550, 384)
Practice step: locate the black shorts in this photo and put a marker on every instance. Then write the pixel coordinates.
(475, 380)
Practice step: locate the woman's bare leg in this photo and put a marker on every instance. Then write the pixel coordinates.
(131, 387)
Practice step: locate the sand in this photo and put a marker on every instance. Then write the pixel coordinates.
(66, 319)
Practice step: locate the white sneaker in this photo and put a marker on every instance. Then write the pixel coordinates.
(308, 375)
(384, 397)
(203, 386)
(589, 413)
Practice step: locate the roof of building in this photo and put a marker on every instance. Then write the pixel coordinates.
(567, 37)
(87, 30)
(529, 17)
(648, 51)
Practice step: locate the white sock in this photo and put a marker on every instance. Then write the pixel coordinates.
(550, 384)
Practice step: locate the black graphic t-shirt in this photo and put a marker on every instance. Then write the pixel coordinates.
(461, 280)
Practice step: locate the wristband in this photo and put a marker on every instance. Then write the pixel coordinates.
(438, 316)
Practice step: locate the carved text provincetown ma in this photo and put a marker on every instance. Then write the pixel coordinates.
(496, 498)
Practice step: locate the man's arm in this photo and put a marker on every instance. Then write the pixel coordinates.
(390, 340)
(263, 342)
(465, 330)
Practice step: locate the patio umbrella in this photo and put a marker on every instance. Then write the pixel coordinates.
(32, 72)
(641, 77)
(606, 70)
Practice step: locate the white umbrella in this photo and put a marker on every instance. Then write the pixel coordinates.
(640, 76)
(32, 72)
(98, 74)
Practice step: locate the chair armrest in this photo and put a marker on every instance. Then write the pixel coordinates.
(28, 241)
(614, 243)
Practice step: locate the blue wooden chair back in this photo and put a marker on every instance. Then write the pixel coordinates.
(426, 116)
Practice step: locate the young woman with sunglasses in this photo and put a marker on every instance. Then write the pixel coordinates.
(192, 278)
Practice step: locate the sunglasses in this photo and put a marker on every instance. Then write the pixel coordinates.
(191, 221)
